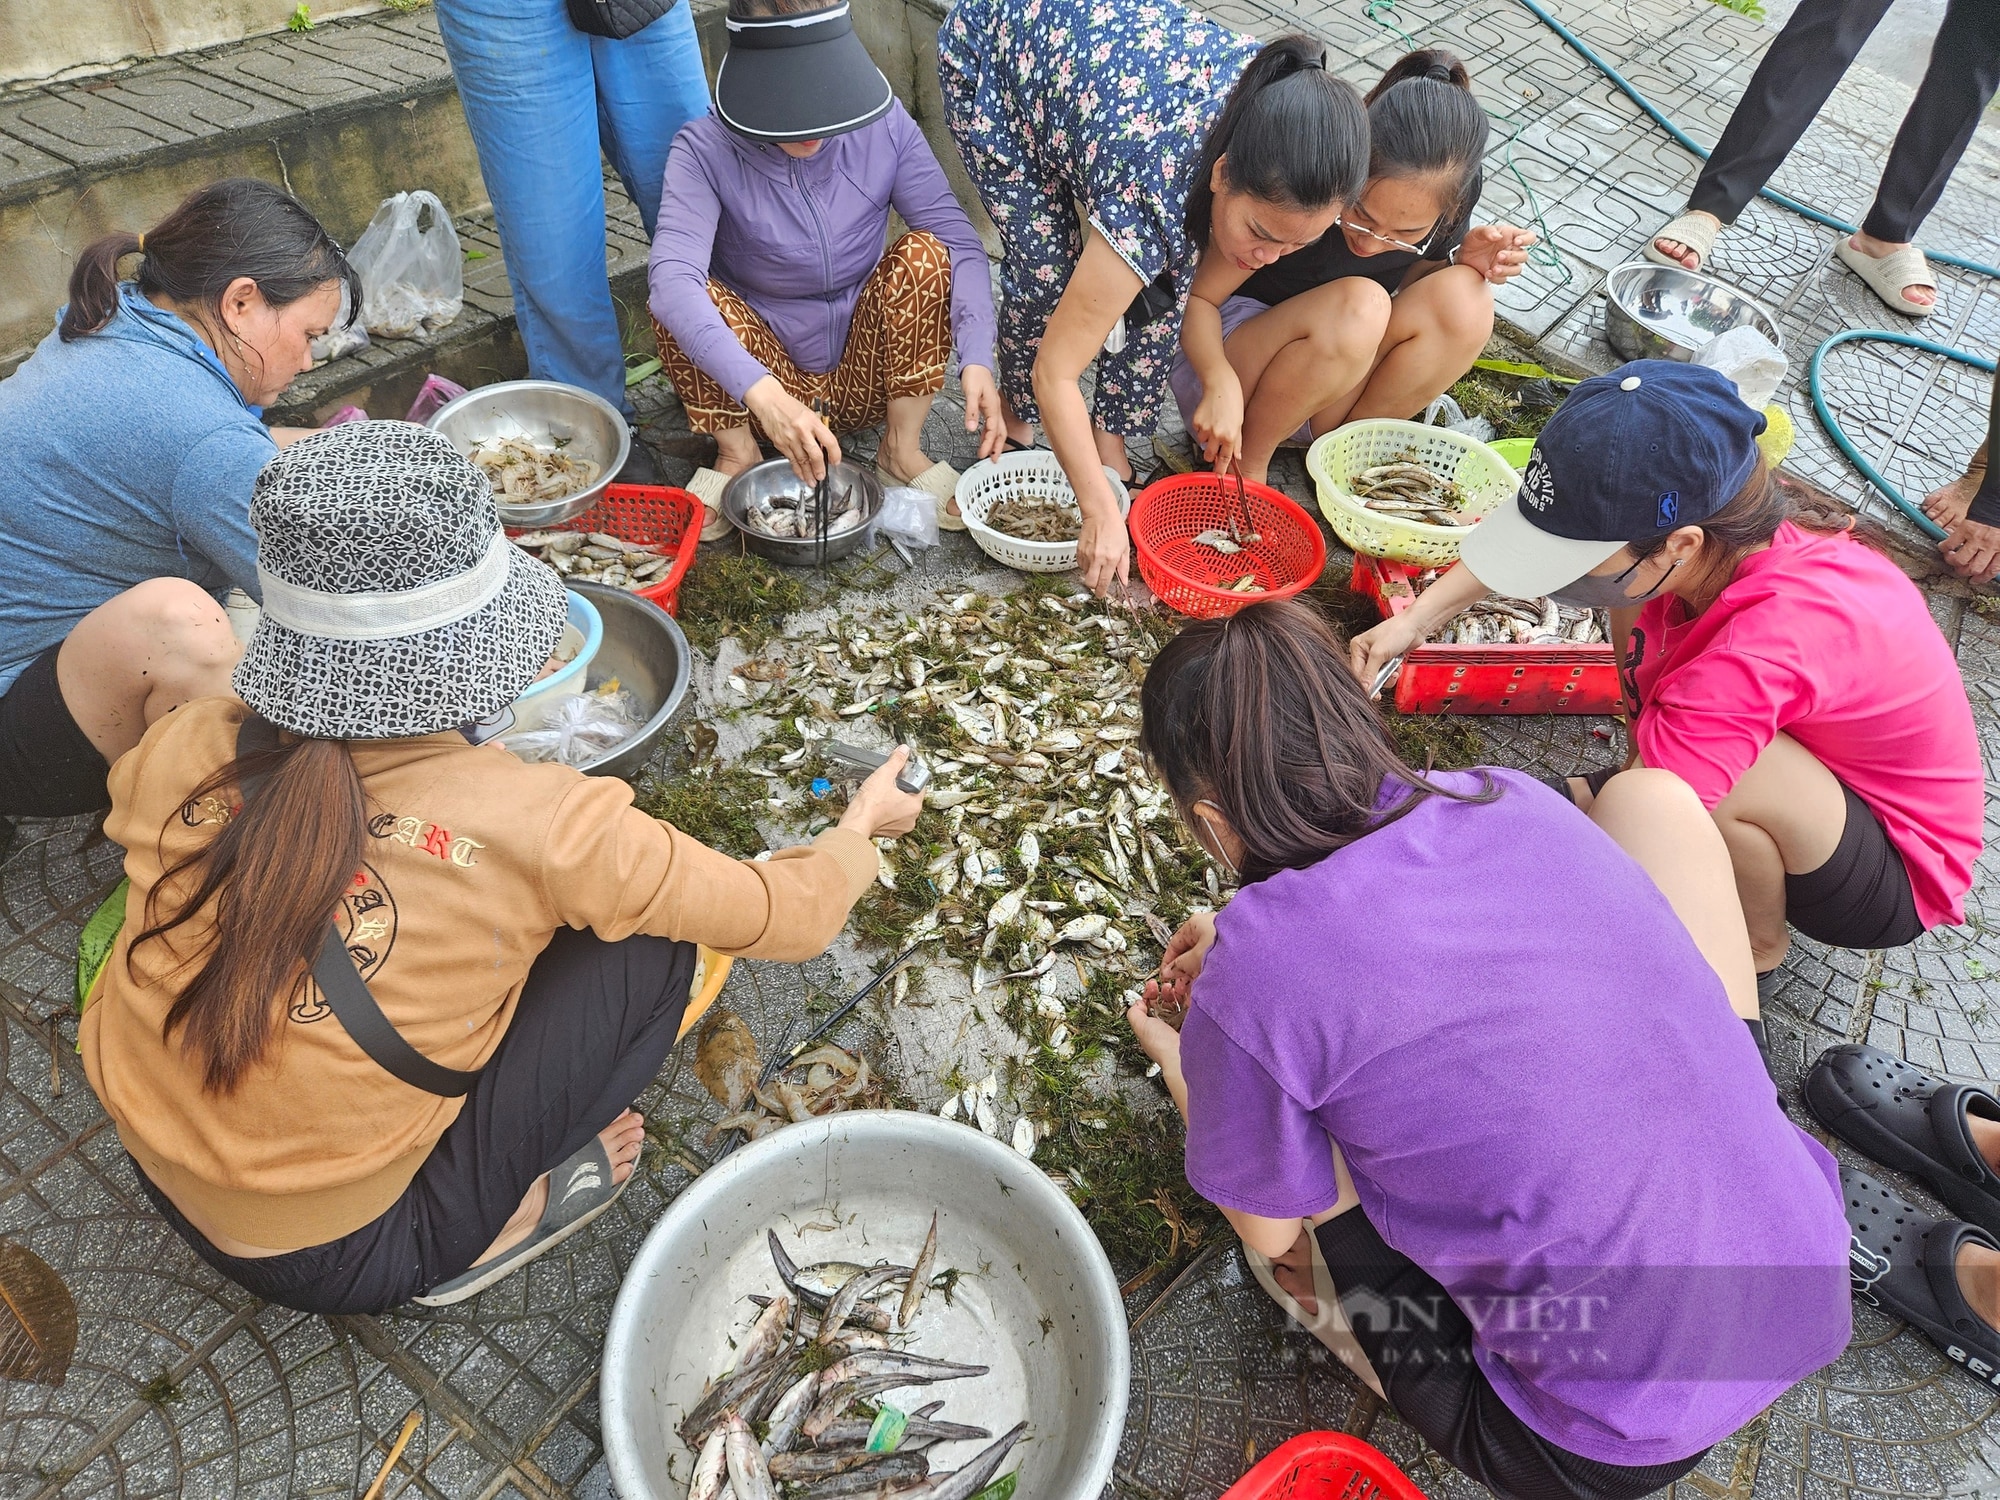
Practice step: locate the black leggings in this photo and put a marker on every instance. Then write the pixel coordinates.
(1427, 1372)
(593, 1026)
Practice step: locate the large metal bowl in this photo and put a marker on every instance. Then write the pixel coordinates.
(1037, 1304)
(544, 412)
(773, 479)
(644, 649)
(1663, 312)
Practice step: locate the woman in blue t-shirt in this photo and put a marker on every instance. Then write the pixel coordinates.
(1377, 317)
(134, 436)
(1462, 1069)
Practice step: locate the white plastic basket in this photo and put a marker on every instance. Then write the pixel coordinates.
(1483, 476)
(1034, 471)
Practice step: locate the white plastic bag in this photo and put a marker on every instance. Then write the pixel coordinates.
(1755, 363)
(412, 274)
(579, 727)
(910, 516)
(1445, 412)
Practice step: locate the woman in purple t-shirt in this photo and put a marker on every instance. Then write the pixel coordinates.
(1459, 1063)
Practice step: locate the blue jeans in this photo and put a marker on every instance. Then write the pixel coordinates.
(545, 104)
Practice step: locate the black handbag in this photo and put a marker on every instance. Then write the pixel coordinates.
(346, 993)
(616, 18)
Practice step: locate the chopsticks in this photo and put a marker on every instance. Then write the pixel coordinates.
(1246, 532)
(820, 498)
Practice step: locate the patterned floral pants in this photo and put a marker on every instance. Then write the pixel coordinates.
(1041, 236)
(897, 345)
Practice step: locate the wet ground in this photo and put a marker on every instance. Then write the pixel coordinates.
(183, 1386)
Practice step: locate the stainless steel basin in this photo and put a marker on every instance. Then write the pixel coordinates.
(1663, 312)
(545, 412)
(644, 649)
(775, 479)
(1037, 1303)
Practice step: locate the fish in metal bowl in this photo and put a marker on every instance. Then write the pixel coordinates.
(548, 449)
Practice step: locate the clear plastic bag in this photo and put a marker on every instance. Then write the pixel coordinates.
(578, 728)
(1445, 412)
(412, 272)
(908, 515)
(1753, 362)
(342, 337)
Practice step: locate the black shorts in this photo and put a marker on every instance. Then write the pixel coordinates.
(48, 766)
(1861, 897)
(594, 1024)
(1426, 1368)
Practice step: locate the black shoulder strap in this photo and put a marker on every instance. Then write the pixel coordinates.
(346, 993)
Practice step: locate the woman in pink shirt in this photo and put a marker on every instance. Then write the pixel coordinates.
(1777, 663)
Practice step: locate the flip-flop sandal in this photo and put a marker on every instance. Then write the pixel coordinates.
(1696, 231)
(1906, 1263)
(579, 1190)
(1911, 1120)
(1889, 276)
(707, 487)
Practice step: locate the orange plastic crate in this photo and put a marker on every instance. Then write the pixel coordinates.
(660, 517)
(1510, 679)
(1324, 1466)
(1169, 513)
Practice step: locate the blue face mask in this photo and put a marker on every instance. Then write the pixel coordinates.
(1594, 591)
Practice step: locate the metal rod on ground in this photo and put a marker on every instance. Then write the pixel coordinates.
(841, 1011)
(1207, 1254)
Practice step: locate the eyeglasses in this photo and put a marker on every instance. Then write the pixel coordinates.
(1383, 239)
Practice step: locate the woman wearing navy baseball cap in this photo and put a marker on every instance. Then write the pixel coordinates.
(1777, 663)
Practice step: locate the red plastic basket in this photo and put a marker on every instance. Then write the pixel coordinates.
(1170, 513)
(1324, 1466)
(659, 517)
(1510, 679)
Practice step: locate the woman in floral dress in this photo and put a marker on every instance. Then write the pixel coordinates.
(1177, 138)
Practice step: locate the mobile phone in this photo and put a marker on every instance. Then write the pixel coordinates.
(914, 777)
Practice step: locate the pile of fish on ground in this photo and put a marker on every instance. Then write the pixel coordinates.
(800, 1407)
(822, 1081)
(1047, 847)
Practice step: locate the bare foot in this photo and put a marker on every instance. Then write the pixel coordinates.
(1294, 1273)
(1979, 1280)
(1867, 244)
(622, 1139)
(736, 450)
(904, 466)
(1947, 506)
(1685, 254)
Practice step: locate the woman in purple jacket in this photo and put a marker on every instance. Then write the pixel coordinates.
(771, 292)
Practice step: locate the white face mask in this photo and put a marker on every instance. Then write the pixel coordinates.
(1215, 851)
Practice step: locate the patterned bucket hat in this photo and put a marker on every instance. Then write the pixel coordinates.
(393, 603)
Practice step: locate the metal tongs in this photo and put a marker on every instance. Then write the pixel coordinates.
(914, 777)
(1242, 531)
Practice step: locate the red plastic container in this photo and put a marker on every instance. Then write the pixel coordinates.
(1510, 679)
(1324, 1466)
(659, 517)
(1170, 513)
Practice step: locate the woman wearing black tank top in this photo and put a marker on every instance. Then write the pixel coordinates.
(1376, 318)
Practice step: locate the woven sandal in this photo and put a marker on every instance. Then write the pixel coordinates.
(1889, 276)
(1911, 1120)
(579, 1190)
(1697, 231)
(940, 482)
(1906, 1263)
(707, 487)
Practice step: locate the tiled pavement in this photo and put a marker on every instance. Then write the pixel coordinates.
(183, 1386)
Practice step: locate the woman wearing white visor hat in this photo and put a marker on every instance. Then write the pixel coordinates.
(382, 998)
(1772, 658)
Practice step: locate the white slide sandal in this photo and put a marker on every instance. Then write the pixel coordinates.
(1889, 276)
(1698, 232)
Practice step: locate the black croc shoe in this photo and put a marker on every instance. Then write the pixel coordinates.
(1914, 1121)
(1906, 1263)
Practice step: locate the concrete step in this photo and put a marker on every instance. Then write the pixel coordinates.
(343, 115)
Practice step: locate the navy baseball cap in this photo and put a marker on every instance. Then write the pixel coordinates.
(1651, 446)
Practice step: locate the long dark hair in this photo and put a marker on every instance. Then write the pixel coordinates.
(1753, 515)
(236, 227)
(1423, 122)
(1259, 714)
(283, 860)
(1294, 135)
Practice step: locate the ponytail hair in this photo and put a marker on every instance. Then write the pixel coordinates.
(1423, 122)
(237, 227)
(1292, 133)
(274, 876)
